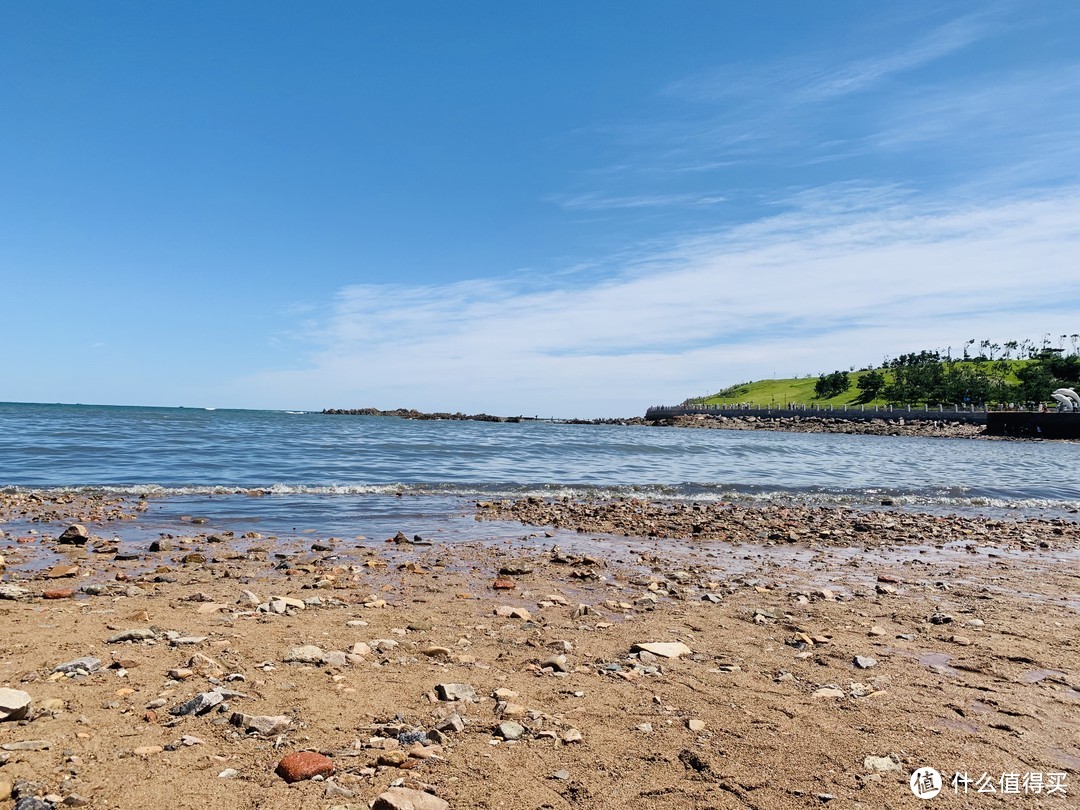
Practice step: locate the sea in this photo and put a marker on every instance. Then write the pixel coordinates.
(291, 471)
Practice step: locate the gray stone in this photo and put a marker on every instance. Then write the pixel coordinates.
(865, 662)
(14, 704)
(511, 730)
(308, 654)
(138, 634)
(266, 725)
(200, 704)
(32, 803)
(9, 591)
(86, 664)
(561, 775)
(336, 658)
(452, 724)
(27, 745)
(456, 691)
(335, 791)
(186, 641)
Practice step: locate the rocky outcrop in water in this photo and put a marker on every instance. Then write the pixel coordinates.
(411, 413)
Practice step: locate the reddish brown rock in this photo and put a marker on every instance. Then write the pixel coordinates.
(303, 765)
(58, 593)
(503, 585)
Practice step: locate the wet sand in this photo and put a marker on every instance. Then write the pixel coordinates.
(829, 653)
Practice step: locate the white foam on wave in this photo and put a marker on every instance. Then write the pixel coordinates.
(933, 501)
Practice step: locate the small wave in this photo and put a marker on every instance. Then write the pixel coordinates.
(942, 499)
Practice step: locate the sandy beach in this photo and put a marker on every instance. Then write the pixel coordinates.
(799, 657)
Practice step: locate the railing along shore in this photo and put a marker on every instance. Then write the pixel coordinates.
(971, 414)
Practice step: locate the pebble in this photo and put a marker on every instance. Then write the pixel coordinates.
(228, 773)
(865, 662)
(138, 634)
(511, 730)
(392, 759)
(308, 654)
(695, 725)
(828, 692)
(456, 691)
(14, 704)
(963, 641)
(200, 704)
(664, 649)
(511, 612)
(561, 775)
(881, 764)
(335, 791)
(301, 765)
(402, 798)
(572, 735)
(266, 725)
(439, 653)
(452, 724)
(9, 591)
(555, 662)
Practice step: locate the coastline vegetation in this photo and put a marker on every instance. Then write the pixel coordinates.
(1015, 372)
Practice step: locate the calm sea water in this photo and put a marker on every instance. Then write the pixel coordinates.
(335, 465)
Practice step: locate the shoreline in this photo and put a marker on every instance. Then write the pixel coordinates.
(816, 423)
(815, 652)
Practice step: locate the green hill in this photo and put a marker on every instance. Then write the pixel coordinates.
(797, 390)
(800, 390)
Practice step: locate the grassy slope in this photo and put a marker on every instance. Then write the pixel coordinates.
(801, 391)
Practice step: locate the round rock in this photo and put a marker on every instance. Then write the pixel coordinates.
(303, 765)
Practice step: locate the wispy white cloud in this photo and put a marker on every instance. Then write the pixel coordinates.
(828, 285)
(594, 201)
(808, 79)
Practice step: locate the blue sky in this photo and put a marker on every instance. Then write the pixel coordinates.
(557, 209)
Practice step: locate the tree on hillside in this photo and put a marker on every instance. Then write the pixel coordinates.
(916, 378)
(1036, 383)
(870, 384)
(832, 385)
